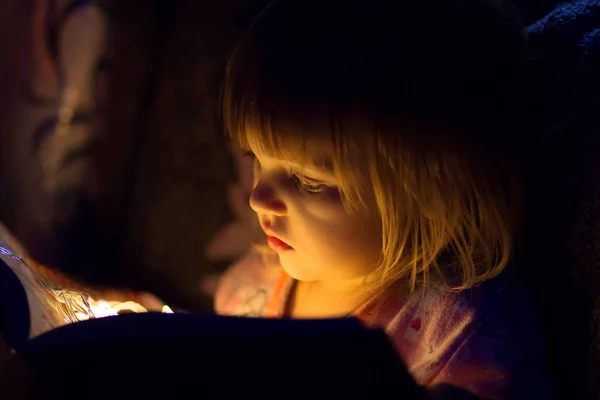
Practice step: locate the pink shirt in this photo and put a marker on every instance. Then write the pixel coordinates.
(484, 340)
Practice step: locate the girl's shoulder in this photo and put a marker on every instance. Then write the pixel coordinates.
(247, 286)
(485, 339)
(501, 299)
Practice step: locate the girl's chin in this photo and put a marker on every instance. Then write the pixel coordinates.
(299, 272)
(296, 272)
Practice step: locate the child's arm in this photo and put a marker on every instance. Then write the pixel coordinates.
(483, 342)
(485, 366)
(500, 352)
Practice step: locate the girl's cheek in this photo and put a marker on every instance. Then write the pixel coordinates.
(332, 195)
(329, 196)
(255, 173)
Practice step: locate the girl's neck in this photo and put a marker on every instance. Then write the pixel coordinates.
(325, 299)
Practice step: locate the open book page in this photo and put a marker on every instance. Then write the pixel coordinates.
(51, 305)
(40, 294)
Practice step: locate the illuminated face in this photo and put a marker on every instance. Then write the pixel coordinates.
(301, 211)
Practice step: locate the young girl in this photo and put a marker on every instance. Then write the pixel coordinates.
(386, 180)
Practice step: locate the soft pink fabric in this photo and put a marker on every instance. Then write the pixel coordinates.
(484, 340)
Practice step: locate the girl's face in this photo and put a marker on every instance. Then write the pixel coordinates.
(301, 211)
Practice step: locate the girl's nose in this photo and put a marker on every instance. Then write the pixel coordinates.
(264, 200)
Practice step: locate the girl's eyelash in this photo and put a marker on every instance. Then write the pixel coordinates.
(299, 183)
(307, 186)
(248, 153)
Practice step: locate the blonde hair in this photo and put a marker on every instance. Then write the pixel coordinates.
(415, 98)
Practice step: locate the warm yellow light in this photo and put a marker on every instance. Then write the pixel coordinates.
(51, 306)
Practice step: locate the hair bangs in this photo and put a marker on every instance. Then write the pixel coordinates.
(305, 128)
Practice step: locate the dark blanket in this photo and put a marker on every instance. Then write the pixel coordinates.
(562, 255)
(565, 56)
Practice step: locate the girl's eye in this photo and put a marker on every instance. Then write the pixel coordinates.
(307, 186)
(248, 153)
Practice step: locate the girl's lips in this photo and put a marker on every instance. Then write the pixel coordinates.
(277, 244)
